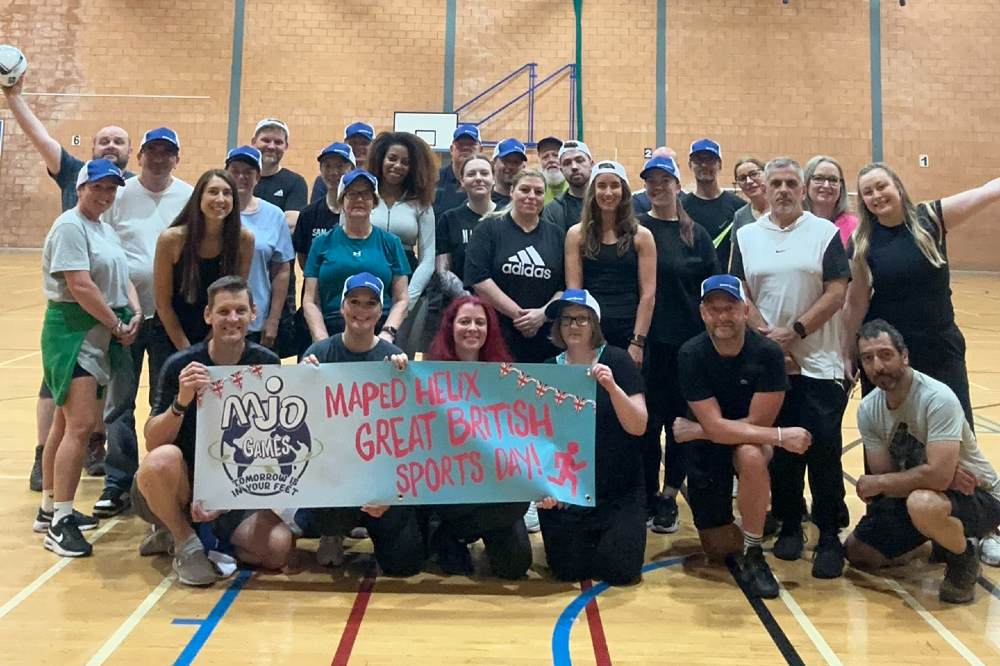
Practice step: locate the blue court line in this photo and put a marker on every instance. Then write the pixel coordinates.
(187, 621)
(208, 625)
(564, 625)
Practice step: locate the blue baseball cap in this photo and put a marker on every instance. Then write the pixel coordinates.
(509, 147)
(470, 131)
(95, 170)
(352, 176)
(340, 149)
(247, 154)
(666, 164)
(366, 280)
(729, 284)
(161, 134)
(359, 129)
(706, 146)
(573, 297)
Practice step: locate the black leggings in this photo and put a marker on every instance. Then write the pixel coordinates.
(500, 526)
(399, 544)
(664, 403)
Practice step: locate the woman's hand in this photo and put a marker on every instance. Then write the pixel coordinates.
(636, 352)
(310, 360)
(375, 510)
(548, 503)
(200, 515)
(603, 375)
(529, 321)
(399, 360)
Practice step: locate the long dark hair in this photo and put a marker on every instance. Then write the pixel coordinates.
(193, 221)
(494, 349)
(625, 226)
(421, 181)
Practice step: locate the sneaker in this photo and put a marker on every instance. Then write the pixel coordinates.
(158, 542)
(358, 533)
(959, 584)
(112, 502)
(665, 521)
(789, 543)
(94, 461)
(194, 568)
(64, 539)
(989, 550)
(771, 525)
(531, 519)
(44, 518)
(452, 555)
(756, 576)
(938, 554)
(35, 479)
(331, 551)
(828, 558)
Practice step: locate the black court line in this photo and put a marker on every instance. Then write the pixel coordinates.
(767, 619)
(850, 446)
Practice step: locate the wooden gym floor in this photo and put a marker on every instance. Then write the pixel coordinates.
(118, 608)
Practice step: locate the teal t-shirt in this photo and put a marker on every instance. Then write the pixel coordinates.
(334, 257)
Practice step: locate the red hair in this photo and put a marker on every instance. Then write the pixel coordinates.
(494, 349)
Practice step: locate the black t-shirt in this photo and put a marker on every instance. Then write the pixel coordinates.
(679, 272)
(907, 291)
(715, 215)
(500, 200)
(454, 230)
(314, 220)
(618, 455)
(285, 189)
(563, 211)
(732, 381)
(449, 193)
(333, 350)
(168, 386)
(318, 190)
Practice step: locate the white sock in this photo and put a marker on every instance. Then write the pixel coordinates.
(47, 501)
(192, 544)
(62, 509)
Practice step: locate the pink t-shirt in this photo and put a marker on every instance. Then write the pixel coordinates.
(846, 223)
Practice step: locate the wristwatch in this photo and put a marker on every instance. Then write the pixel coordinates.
(391, 330)
(177, 408)
(799, 329)
(637, 340)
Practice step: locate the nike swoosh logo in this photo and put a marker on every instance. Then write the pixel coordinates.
(57, 539)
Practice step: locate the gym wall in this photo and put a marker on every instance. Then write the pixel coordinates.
(760, 77)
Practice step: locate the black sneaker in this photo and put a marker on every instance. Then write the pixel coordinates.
(789, 543)
(828, 558)
(452, 554)
(755, 575)
(665, 519)
(771, 525)
(43, 519)
(112, 502)
(64, 538)
(94, 461)
(959, 584)
(35, 480)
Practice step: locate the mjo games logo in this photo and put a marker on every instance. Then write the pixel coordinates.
(266, 445)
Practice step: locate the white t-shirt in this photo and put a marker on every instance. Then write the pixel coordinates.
(414, 228)
(785, 270)
(138, 216)
(930, 413)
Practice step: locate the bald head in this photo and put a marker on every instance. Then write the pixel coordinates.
(665, 151)
(113, 143)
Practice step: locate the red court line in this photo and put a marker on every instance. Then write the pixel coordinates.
(343, 654)
(601, 654)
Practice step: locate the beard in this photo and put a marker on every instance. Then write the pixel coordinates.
(553, 177)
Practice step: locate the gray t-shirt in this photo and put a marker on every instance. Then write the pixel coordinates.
(75, 243)
(930, 413)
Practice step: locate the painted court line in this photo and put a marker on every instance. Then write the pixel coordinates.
(767, 619)
(601, 653)
(19, 358)
(63, 562)
(215, 616)
(130, 622)
(346, 645)
(935, 624)
(807, 626)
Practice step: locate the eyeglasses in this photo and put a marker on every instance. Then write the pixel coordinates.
(753, 175)
(825, 180)
(582, 321)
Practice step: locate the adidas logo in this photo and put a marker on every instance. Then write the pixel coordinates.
(528, 263)
(279, 193)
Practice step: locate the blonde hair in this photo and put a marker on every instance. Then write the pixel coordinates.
(527, 172)
(867, 220)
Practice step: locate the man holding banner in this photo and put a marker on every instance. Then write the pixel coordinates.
(162, 490)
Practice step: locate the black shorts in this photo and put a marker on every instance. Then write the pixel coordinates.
(45, 393)
(710, 484)
(886, 525)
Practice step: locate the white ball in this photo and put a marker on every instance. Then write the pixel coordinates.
(13, 64)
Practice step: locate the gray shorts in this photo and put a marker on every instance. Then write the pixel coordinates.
(223, 526)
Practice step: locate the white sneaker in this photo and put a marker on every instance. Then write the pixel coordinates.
(531, 519)
(989, 550)
(331, 551)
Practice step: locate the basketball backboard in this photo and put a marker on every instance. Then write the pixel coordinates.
(434, 128)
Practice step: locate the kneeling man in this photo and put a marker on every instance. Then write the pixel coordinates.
(928, 480)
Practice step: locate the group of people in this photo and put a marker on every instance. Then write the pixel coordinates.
(722, 333)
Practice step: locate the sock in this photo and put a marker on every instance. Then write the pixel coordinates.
(751, 541)
(62, 509)
(47, 501)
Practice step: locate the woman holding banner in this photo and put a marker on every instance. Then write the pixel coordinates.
(608, 541)
(470, 332)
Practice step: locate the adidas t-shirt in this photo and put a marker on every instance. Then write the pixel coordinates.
(528, 267)
(285, 189)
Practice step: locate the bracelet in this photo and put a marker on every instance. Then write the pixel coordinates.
(637, 340)
(177, 408)
(779, 437)
(117, 328)
(391, 330)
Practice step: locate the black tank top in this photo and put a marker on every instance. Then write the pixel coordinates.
(614, 281)
(192, 315)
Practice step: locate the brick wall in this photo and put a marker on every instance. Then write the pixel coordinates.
(761, 77)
